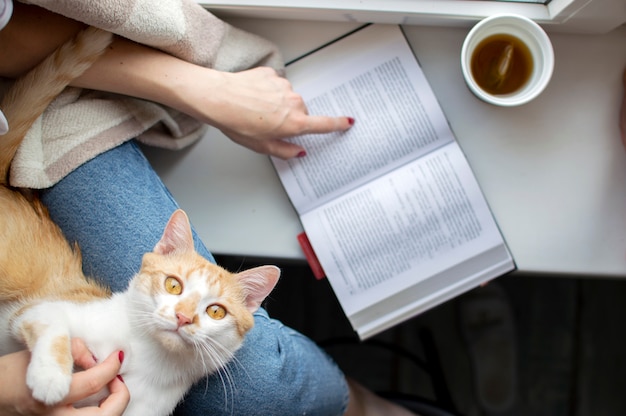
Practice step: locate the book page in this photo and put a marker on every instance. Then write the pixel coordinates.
(401, 229)
(380, 84)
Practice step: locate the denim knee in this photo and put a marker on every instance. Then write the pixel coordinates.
(277, 372)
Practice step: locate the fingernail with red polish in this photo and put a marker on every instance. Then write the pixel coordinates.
(120, 378)
(351, 121)
(121, 356)
(301, 154)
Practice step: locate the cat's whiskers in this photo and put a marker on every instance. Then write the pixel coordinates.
(143, 319)
(130, 271)
(226, 377)
(233, 358)
(203, 351)
(206, 347)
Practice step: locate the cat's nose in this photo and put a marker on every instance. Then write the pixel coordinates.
(182, 319)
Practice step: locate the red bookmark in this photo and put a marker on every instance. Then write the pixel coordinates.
(311, 258)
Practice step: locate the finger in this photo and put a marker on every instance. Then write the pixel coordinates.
(285, 150)
(88, 382)
(118, 400)
(325, 124)
(280, 148)
(114, 405)
(81, 354)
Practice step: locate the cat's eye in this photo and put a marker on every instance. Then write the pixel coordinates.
(173, 285)
(216, 311)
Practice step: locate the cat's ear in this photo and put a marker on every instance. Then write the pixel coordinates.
(177, 235)
(258, 283)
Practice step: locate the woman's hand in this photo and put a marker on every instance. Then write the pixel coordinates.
(259, 110)
(15, 397)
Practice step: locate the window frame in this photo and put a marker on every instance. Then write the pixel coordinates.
(589, 16)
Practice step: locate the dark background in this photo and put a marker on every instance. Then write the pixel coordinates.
(568, 337)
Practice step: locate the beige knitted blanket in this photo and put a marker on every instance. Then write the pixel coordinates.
(81, 124)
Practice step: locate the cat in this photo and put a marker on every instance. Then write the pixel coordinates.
(181, 317)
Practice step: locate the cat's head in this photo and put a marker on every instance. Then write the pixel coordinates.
(189, 304)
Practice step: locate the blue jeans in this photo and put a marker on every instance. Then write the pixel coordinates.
(116, 207)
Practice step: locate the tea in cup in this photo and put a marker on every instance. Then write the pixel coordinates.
(507, 60)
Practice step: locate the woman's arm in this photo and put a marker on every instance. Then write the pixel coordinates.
(255, 108)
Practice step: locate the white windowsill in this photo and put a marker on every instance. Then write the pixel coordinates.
(583, 16)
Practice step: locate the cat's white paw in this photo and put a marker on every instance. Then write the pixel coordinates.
(48, 384)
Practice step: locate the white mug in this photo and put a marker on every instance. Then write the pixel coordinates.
(521, 42)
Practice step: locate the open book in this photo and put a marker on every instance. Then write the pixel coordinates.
(391, 207)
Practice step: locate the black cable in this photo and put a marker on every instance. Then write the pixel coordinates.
(421, 364)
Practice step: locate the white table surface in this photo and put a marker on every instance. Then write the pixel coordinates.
(553, 170)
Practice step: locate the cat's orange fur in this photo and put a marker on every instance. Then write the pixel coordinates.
(25, 226)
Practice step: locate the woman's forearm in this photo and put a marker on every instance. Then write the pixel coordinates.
(140, 71)
(126, 67)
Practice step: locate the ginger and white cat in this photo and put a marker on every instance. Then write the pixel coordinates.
(181, 317)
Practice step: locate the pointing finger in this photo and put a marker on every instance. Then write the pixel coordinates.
(324, 124)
